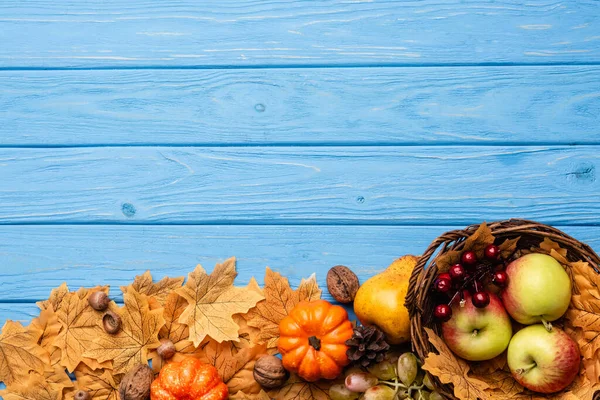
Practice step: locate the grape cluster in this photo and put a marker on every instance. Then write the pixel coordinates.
(391, 379)
(470, 274)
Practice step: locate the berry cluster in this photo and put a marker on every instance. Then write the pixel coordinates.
(470, 274)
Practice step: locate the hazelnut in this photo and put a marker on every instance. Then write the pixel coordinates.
(82, 395)
(166, 349)
(111, 322)
(269, 372)
(99, 301)
(342, 284)
(135, 385)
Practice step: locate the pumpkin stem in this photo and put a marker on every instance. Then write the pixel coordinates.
(315, 342)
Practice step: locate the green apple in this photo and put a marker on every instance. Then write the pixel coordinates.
(538, 290)
(541, 360)
(477, 334)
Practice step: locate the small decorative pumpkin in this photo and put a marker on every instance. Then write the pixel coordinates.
(312, 340)
(190, 379)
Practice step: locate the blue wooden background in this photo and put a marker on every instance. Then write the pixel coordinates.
(147, 134)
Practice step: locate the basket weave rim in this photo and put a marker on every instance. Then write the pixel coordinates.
(422, 278)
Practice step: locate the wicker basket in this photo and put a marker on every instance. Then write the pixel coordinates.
(419, 302)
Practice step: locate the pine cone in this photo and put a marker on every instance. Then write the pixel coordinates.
(367, 346)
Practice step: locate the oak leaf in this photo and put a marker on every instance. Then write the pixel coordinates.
(34, 388)
(138, 335)
(490, 366)
(279, 300)
(235, 366)
(20, 353)
(160, 290)
(212, 301)
(80, 323)
(298, 389)
(450, 369)
(585, 278)
(100, 383)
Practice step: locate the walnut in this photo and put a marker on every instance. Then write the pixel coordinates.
(342, 283)
(135, 385)
(269, 372)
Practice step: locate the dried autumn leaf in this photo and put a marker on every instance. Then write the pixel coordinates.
(450, 369)
(80, 323)
(585, 314)
(262, 395)
(297, 389)
(582, 388)
(448, 259)
(279, 300)
(138, 335)
(585, 278)
(490, 366)
(502, 381)
(508, 247)
(100, 383)
(34, 388)
(235, 366)
(20, 353)
(479, 240)
(56, 297)
(548, 245)
(212, 301)
(160, 290)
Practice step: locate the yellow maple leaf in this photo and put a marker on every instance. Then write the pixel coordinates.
(262, 395)
(279, 300)
(34, 388)
(138, 335)
(298, 389)
(100, 383)
(80, 323)
(212, 301)
(451, 369)
(56, 297)
(20, 353)
(235, 366)
(160, 290)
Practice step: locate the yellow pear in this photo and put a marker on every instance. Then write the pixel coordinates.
(380, 300)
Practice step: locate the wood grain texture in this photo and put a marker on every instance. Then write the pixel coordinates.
(495, 105)
(299, 185)
(108, 33)
(39, 258)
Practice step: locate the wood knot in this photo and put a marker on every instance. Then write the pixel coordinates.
(128, 210)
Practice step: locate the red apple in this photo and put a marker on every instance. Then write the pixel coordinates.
(538, 289)
(478, 334)
(541, 360)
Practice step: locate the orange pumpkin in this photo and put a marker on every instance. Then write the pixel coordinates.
(190, 379)
(312, 340)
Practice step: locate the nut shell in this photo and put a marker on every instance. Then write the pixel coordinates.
(342, 284)
(82, 395)
(99, 300)
(111, 322)
(166, 350)
(269, 372)
(135, 385)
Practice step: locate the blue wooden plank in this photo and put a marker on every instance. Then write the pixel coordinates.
(109, 33)
(299, 185)
(504, 105)
(36, 259)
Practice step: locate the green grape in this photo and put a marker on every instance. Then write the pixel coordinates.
(352, 370)
(420, 377)
(379, 392)
(384, 370)
(341, 392)
(435, 396)
(427, 382)
(360, 381)
(422, 395)
(407, 368)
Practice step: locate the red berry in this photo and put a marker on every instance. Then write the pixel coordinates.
(443, 284)
(457, 272)
(480, 299)
(500, 278)
(469, 258)
(443, 312)
(492, 252)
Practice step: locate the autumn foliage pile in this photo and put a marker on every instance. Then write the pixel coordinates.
(207, 318)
